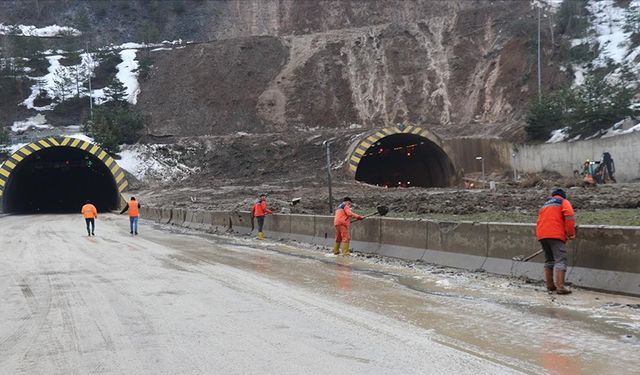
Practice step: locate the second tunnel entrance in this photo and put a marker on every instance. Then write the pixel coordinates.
(405, 160)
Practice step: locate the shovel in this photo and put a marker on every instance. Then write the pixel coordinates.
(381, 210)
(519, 258)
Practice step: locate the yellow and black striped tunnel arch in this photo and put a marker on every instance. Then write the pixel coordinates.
(28, 150)
(402, 156)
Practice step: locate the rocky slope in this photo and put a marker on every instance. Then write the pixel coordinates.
(456, 66)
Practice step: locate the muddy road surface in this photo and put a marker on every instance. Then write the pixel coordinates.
(168, 302)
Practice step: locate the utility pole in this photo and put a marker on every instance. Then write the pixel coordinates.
(327, 144)
(482, 162)
(539, 67)
(90, 67)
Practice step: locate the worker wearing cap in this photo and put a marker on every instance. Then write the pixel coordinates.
(90, 214)
(342, 222)
(556, 224)
(259, 211)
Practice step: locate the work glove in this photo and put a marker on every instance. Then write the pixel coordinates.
(361, 218)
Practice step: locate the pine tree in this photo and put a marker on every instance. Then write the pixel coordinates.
(114, 125)
(596, 105)
(62, 83)
(5, 140)
(117, 91)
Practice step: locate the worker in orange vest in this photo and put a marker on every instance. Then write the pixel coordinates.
(342, 222)
(90, 214)
(556, 224)
(133, 206)
(259, 211)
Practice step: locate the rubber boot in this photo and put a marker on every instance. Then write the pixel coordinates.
(560, 283)
(548, 278)
(345, 248)
(261, 235)
(336, 248)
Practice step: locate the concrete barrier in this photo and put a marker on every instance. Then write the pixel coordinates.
(303, 227)
(366, 235)
(324, 231)
(152, 213)
(240, 222)
(277, 226)
(401, 238)
(619, 254)
(178, 216)
(220, 221)
(193, 219)
(165, 215)
(603, 258)
(457, 244)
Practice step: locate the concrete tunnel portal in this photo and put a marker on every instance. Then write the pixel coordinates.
(58, 175)
(407, 157)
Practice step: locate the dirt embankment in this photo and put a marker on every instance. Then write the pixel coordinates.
(416, 201)
(233, 170)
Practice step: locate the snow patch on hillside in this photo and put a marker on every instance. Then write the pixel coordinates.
(619, 129)
(35, 122)
(44, 84)
(559, 135)
(128, 74)
(62, 78)
(154, 163)
(608, 24)
(30, 30)
(607, 31)
(50, 84)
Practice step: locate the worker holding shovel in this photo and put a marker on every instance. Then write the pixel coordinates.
(556, 224)
(259, 211)
(342, 222)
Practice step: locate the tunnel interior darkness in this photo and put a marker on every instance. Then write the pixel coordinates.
(60, 179)
(405, 160)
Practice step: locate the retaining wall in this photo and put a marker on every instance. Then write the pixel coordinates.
(565, 157)
(562, 157)
(602, 257)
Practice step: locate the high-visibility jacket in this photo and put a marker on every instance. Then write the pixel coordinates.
(89, 211)
(556, 220)
(134, 209)
(260, 209)
(344, 214)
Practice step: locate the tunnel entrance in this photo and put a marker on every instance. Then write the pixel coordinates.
(60, 179)
(404, 160)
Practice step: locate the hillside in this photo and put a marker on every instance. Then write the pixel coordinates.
(265, 73)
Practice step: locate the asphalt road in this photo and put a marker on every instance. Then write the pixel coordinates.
(166, 302)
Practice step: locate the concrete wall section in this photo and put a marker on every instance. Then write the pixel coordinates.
(506, 240)
(605, 258)
(567, 157)
(276, 223)
(496, 153)
(607, 248)
(240, 222)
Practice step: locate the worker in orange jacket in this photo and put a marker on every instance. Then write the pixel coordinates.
(90, 214)
(133, 206)
(342, 222)
(259, 211)
(556, 225)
